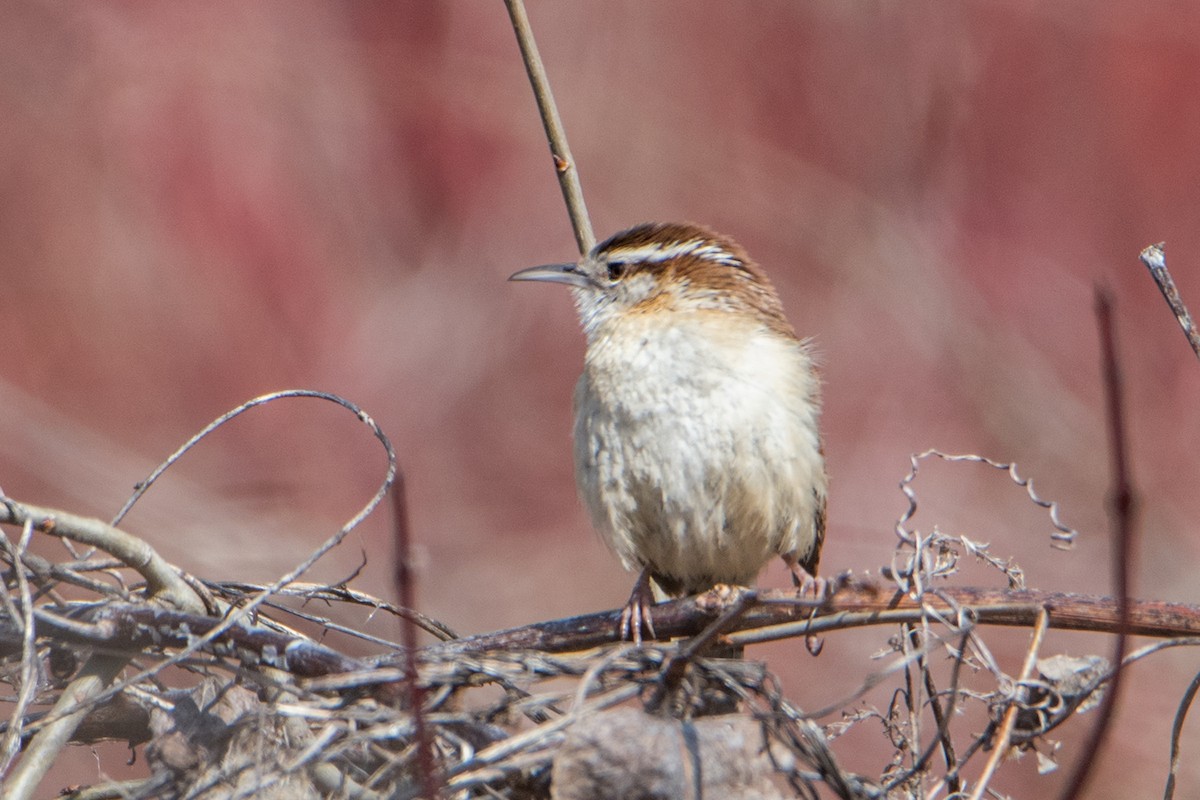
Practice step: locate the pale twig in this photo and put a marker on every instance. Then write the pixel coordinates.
(1000, 745)
(73, 705)
(343, 594)
(111, 790)
(460, 776)
(162, 579)
(1155, 260)
(564, 164)
(45, 570)
(336, 783)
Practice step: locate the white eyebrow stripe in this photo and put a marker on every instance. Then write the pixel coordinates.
(654, 253)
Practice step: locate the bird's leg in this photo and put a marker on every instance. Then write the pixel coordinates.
(636, 614)
(805, 584)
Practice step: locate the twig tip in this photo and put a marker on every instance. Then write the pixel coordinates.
(1154, 256)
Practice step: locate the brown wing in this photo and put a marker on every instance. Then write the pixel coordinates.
(810, 560)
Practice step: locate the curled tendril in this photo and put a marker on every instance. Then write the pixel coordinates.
(1062, 538)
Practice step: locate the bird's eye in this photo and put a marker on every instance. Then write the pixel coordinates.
(616, 270)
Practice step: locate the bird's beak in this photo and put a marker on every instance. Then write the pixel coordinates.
(569, 274)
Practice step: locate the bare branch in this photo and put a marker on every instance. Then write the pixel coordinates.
(564, 163)
(778, 614)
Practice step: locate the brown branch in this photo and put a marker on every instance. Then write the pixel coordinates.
(772, 615)
(777, 614)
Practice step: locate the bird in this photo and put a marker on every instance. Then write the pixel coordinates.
(697, 448)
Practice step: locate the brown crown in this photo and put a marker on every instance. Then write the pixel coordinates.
(701, 259)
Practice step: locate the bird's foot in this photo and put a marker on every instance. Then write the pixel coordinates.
(819, 589)
(636, 616)
(809, 585)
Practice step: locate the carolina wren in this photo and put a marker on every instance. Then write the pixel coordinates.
(696, 444)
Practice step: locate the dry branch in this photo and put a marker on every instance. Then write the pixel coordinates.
(779, 614)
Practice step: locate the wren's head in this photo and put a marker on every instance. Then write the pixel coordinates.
(661, 268)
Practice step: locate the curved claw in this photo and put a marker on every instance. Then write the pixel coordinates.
(806, 584)
(636, 615)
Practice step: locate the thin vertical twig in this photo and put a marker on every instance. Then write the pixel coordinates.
(1155, 260)
(1010, 716)
(564, 164)
(942, 716)
(1121, 512)
(407, 597)
(912, 688)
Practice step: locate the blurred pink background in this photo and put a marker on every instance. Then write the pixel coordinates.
(204, 203)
